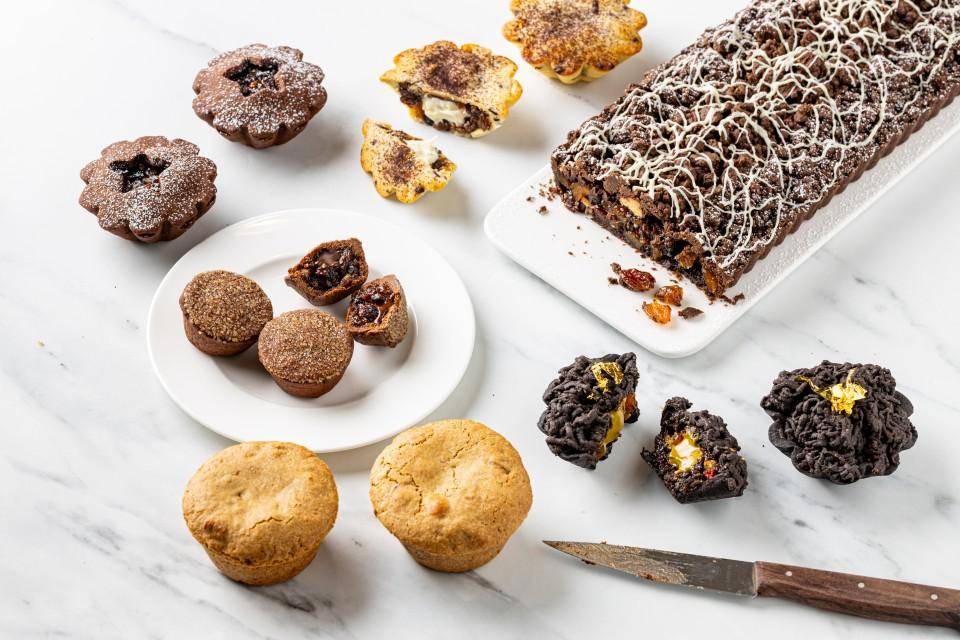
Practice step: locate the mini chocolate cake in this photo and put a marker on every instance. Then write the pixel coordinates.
(377, 315)
(840, 422)
(224, 312)
(330, 272)
(306, 351)
(587, 406)
(695, 455)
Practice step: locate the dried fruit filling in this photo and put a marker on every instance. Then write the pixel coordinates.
(139, 172)
(329, 267)
(371, 304)
(254, 77)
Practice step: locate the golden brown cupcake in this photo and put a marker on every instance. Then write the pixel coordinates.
(377, 315)
(261, 509)
(402, 164)
(453, 492)
(223, 312)
(305, 351)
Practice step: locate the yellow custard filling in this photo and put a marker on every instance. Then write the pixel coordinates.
(684, 452)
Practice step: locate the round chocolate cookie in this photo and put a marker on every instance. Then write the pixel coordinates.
(306, 351)
(259, 95)
(149, 189)
(587, 406)
(840, 422)
(224, 312)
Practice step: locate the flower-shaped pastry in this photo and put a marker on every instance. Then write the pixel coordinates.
(402, 164)
(259, 95)
(150, 189)
(466, 90)
(574, 40)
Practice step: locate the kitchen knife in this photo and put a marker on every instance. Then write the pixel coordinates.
(887, 600)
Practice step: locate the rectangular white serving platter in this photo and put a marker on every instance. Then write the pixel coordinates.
(573, 254)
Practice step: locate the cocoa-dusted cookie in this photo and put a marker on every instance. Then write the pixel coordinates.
(330, 272)
(377, 315)
(149, 189)
(575, 40)
(402, 164)
(224, 312)
(259, 95)
(840, 422)
(695, 455)
(305, 351)
(587, 406)
(466, 90)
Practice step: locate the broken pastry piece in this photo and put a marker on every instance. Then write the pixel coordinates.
(401, 164)
(587, 406)
(695, 455)
(465, 90)
(330, 272)
(377, 315)
(575, 40)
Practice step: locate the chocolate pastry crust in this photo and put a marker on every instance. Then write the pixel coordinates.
(305, 351)
(840, 421)
(149, 189)
(695, 455)
(377, 315)
(583, 404)
(224, 312)
(258, 95)
(330, 272)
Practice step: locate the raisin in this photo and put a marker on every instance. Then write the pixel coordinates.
(671, 294)
(657, 311)
(636, 280)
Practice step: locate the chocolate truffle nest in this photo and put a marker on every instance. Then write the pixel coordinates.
(824, 442)
(580, 408)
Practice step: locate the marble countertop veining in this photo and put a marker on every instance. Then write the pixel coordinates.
(94, 454)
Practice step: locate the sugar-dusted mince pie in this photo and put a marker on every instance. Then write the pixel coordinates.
(466, 90)
(587, 406)
(377, 315)
(224, 312)
(259, 95)
(330, 272)
(575, 40)
(149, 189)
(401, 164)
(695, 455)
(305, 351)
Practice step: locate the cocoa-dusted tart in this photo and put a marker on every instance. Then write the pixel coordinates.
(149, 189)
(224, 312)
(305, 351)
(401, 164)
(377, 315)
(258, 95)
(330, 272)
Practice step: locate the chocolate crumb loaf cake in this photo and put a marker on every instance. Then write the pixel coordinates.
(714, 157)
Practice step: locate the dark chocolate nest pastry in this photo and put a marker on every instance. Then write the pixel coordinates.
(840, 422)
(695, 455)
(259, 95)
(377, 315)
(149, 189)
(587, 406)
(330, 272)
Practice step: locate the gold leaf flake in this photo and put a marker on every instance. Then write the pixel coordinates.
(841, 396)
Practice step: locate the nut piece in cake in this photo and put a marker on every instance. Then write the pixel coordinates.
(575, 40)
(466, 90)
(840, 422)
(224, 312)
(401, 164)
(587, 406)
(695, 455)
(377, 315)
(330, 272)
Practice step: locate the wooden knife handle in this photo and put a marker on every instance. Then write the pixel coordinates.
(872, 598)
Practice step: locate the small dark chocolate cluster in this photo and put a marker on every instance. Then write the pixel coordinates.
(581, 404)
(695, 455)
(840, 422)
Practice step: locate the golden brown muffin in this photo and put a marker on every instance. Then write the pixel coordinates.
(261, 509)
(453, 492)
(305, 351)
(575, 40)
(402, 164)
(223, 312)
(465, 90)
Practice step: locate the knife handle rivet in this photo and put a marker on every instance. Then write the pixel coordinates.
(934, 596)
(860, 585)
(789, 574)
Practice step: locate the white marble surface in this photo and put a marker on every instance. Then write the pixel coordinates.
(94, 455)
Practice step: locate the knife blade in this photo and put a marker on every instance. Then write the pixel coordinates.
(874, 598)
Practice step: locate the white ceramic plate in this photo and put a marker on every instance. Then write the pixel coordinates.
(573, 254)
(383, 391)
